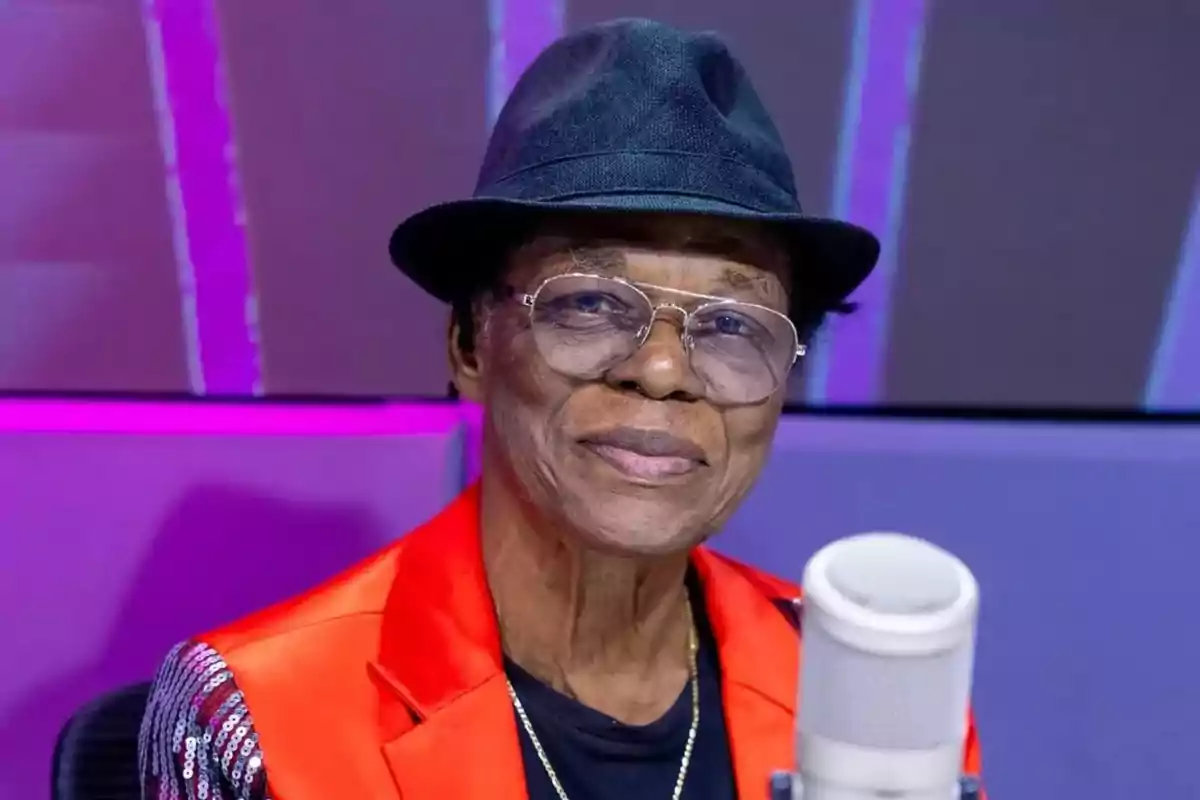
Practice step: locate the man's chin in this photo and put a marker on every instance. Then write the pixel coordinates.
(629, 527)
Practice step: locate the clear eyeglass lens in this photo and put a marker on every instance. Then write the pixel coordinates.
(742, 352)
(585, 325)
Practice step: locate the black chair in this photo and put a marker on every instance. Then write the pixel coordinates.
(96, 756)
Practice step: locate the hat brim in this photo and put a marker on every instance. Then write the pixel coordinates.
(450, 250)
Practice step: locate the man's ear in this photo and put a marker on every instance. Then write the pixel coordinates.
(464, 362)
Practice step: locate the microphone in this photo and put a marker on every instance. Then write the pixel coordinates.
(888, 625)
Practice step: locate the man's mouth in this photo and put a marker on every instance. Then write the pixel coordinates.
(646, 455)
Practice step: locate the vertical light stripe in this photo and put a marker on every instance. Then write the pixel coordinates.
(870, 188)
(497, 78)
(185, 272)
(520, 29)
(216, 284)
(816, 377)
(1174, 383)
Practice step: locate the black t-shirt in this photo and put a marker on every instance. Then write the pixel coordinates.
(598, 758)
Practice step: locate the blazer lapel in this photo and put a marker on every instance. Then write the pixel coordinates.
(468, 748)
(447, 723)
(759, 652)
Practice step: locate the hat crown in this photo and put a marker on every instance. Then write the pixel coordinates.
(630, 116)
(634, 86)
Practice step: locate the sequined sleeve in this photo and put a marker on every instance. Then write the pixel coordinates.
(198, 740)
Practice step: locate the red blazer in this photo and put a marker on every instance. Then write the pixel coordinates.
(387, 682)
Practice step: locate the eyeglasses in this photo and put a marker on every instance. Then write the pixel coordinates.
(584, 325)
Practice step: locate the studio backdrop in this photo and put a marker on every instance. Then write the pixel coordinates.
(198, 193)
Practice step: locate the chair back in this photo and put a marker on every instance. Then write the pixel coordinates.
(96, 756)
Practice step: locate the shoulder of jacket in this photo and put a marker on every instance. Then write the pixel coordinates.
(354, 595)
(197, 736)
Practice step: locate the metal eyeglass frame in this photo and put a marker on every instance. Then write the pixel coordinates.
(529, 299)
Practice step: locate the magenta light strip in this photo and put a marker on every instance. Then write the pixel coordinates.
(872, 168)
(520, 30)
(216, 284)
(253, 418)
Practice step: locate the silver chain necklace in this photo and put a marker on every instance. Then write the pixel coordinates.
(687, 749)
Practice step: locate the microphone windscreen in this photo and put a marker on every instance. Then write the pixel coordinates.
(888, 646)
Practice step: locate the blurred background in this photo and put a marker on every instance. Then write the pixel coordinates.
(197, 196)
(195, 199)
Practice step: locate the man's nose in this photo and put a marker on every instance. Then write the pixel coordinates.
(661, 368)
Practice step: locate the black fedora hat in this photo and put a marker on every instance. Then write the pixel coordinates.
(629, 116)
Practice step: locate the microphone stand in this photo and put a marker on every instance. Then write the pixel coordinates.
(786, 786)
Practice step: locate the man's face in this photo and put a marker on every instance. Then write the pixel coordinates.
(638, 459)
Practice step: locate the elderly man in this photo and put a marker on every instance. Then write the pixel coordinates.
(631, 285)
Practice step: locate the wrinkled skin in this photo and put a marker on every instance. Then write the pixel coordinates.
(535, 417)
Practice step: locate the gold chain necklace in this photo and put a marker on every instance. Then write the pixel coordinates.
(687, 749)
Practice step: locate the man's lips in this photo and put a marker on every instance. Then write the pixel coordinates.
(646, 454)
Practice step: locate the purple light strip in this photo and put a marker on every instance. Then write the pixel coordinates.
(816, 365)
(252, 418)
(1174, 383)
(216, 284)
(869, 190)
(520, 30)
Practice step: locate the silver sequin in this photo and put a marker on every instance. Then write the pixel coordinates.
(198, 740)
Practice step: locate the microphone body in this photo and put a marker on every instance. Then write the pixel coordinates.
(888, 647)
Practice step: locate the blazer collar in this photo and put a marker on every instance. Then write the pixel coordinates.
(759, 652)
(448, 726)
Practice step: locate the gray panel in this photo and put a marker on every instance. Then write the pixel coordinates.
(350, 116)
(1055, 151)
(89, 299)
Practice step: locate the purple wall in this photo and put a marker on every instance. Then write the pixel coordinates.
(130, 526)
(1083, 540)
